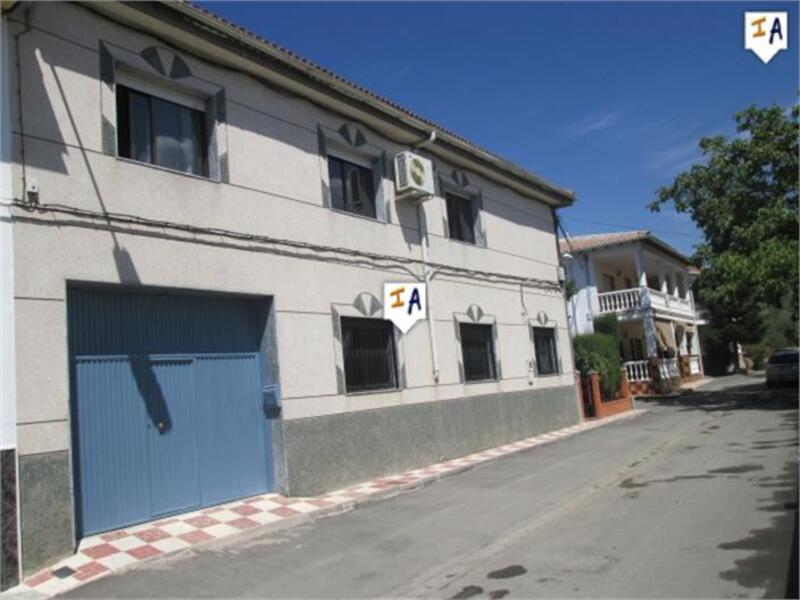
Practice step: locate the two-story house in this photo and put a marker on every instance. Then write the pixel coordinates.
(197, 225)
(647, 284)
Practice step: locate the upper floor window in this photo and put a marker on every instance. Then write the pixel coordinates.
(161, 132)
(352, 187)
(477, 351)
(369, 354)
(460, 218)
(544, 341)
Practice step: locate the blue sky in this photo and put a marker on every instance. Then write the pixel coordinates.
(608, 99)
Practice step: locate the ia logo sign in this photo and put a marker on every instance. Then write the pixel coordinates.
(766, 33)
(404, 304)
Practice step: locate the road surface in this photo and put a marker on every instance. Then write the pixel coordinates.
(697, 498)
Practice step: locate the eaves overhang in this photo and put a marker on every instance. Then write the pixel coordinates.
(195, 30)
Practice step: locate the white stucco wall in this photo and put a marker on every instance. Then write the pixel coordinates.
(582, 306)
(274, 190)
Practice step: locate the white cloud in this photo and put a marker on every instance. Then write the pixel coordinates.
(593, 123)
(675, 158)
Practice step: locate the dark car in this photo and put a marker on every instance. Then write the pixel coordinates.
(783, 367)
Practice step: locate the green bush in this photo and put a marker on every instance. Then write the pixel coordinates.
(608, 325)
(599, 352)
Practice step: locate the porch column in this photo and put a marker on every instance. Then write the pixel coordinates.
(649, 326)
(698, 348)
(594, 301)
(673, 282)
(638, 256)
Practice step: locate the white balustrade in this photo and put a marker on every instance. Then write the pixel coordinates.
(636, 298)
(668, 368)
(637, 370)
(620, 300)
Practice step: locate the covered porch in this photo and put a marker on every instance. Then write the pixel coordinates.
(659, 354)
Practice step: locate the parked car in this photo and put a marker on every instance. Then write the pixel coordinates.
(783, 367)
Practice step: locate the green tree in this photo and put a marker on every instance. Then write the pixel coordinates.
(743, 196)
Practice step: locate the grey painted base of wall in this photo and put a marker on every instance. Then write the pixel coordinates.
(9, 549)
(45, 508)
(326, 453)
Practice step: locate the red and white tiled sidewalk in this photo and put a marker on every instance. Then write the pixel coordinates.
(115, 551)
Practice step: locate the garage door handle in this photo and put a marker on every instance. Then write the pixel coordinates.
(270, 402)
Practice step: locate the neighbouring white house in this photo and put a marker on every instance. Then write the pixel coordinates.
(647, 284)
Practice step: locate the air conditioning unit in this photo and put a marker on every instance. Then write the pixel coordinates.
(413, 176)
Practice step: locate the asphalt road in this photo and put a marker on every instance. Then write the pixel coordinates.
(697, 498)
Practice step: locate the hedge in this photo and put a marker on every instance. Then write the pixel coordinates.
(599, 352)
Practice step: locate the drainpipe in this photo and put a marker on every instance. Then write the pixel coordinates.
(429, 275)
(427, 141)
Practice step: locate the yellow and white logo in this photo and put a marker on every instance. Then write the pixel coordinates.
(766, 33)
(404, 304)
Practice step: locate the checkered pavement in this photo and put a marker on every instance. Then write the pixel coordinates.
(115, 551)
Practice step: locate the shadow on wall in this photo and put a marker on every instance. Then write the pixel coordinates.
(42, 63)
(35, 98)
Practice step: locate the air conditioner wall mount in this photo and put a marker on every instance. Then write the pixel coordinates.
(413, 176)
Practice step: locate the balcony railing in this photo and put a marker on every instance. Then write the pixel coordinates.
(668, 368)
(636, 298)
(638, 370)
(621, 300)
(669, 302)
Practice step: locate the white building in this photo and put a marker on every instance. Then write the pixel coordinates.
(647, 284)
(196, 232)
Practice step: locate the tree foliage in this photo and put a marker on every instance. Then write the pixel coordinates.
(744, 198)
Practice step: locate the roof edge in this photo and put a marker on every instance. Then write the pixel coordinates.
(447, 145)
(645, 236)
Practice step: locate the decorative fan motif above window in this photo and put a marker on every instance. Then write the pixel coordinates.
(460, 178)
(352, 135)
(475, 313)
(166, 62)
(367, 304)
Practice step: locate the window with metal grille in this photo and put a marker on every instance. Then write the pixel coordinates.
(369, 354)
(160, 132)
(460, 218)
(477, 350)
(352, 187)
(544, 341)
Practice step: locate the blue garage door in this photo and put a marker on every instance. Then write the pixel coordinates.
(166, 403)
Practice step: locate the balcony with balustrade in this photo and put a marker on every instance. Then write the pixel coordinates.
(630, 302)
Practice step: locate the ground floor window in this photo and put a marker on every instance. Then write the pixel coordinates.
(544, 341)
(477, 351)
(369, 354)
